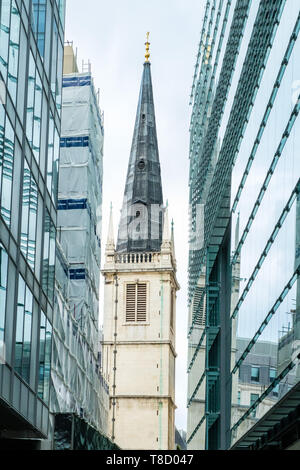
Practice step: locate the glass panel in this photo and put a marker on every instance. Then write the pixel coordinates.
(7, 172)
(32, 223)
(37, 118)
(3, 288)
(255, 374)
(27, 335)
(60, 51)
(29, 216)
(23, 330)
(49, 257)
(30, 99)
(13, 51)
(39, 23)
(61, 9)
(4, 36)
(50, 154)
(25, 208)
(42, 356)
(19, 326)
(47, 361)
(46, 252)
(55, 42)
(2, 134)
(51, 274)
(55, 167)
(21, 74)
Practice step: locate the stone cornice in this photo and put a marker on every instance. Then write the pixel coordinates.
(126, 343)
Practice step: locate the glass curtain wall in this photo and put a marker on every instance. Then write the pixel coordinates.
(31, 60)
(265, 202)
(245, 173)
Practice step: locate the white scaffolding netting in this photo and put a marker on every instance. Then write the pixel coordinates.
(77, 382)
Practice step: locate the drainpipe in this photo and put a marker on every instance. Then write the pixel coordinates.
(115, 357)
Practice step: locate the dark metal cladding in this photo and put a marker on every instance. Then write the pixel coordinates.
(140, 226)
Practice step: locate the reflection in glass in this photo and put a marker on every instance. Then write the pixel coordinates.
(14, 41)
(3, 288)
(37, 117)
(29, 216)
(55, 42)
(30, 99)
(253, 398)
(49, 257)
(255, 374)
(270, 313)
(55, 167)
(47, 361)
(44, 358)
(50, 153)
(61, 9)
(39, 23)
(42, 355)
(27, 335)
(23, 330)
(7, 171)
(4, 36)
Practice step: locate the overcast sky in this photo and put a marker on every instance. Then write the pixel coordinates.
(111, 34)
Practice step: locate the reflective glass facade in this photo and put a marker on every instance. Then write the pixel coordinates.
(245, 170)
(31, 60)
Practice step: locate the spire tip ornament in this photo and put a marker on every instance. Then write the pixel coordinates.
(147, 44)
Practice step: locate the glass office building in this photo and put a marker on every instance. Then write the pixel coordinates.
(244, 287)
(31, 61)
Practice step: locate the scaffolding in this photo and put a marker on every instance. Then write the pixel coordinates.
(77, 382)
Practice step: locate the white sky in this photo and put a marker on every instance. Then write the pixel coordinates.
(111, 34)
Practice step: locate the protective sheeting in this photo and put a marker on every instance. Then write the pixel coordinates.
(77, 383)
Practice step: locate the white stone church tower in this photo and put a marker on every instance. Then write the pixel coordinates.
(140, 298)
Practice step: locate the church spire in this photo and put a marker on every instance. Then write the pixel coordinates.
(140, 226)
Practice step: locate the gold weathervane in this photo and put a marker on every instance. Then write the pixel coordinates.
(147, 44)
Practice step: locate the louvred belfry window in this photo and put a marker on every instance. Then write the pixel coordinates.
(141, 307)
(136, 302)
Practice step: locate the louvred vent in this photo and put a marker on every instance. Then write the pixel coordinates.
(130, 302)
(136, 302)
(141, 302)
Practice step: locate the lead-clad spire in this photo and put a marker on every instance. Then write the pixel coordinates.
(140, 226)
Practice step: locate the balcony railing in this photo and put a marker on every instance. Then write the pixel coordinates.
(137, 258)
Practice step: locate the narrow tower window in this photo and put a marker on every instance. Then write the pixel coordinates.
(136, 302)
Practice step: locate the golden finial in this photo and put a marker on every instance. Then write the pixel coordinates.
(147, 44)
